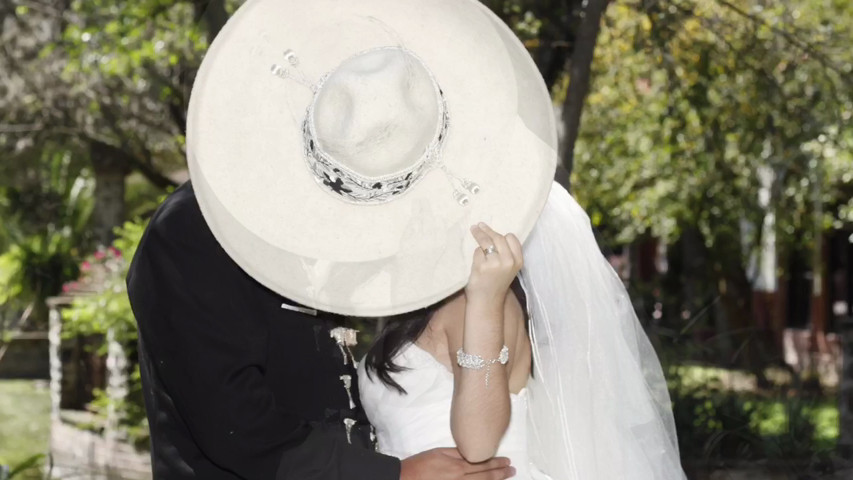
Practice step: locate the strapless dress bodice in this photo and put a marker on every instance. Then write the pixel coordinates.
(407, 424)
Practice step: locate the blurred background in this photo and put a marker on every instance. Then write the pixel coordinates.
(709, 140)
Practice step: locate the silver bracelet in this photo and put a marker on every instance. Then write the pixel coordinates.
(476, 362)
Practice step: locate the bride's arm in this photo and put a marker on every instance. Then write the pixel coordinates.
(480, 412)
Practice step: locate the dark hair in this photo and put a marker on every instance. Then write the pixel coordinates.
(401, 330)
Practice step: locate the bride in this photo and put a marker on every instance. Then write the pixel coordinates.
(466, 406)
(585, 399)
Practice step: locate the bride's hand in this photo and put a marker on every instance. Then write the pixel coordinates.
(492, 273)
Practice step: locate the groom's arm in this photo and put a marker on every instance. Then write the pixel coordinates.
(206, 342)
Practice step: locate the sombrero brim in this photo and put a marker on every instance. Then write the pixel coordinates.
(245, 152)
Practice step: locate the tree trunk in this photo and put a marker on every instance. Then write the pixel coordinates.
(819, 259)
(736, 297)
(213, 14)
(845, 392)
(109, 193)
(40, 315)
(819, 298)
(580, 70)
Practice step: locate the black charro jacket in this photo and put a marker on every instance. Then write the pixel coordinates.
(235, 386)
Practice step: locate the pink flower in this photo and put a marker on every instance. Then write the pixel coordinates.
(116, 252)
(66, 288)
(99, 255)
(85, 266)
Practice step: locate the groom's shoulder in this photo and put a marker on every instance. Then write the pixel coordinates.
(179, 206)
(178, 223)
(169, 230)
(178, 213)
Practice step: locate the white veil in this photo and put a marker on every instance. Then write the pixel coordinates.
(599, 405)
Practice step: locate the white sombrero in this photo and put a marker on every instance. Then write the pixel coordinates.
(340, 150)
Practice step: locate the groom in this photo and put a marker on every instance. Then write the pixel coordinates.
(241, 383)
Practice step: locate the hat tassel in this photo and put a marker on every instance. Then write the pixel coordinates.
(464, 187)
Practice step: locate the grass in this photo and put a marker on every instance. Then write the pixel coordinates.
(772, 418)
(24, 422)
(722, 414)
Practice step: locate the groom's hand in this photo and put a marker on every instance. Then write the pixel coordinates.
(448, 464)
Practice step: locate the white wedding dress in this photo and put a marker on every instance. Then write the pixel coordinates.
(407, 424)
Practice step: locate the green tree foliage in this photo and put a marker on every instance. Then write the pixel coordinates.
(101, 74)
(694, 102)
(45, 213)
(105, 85)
